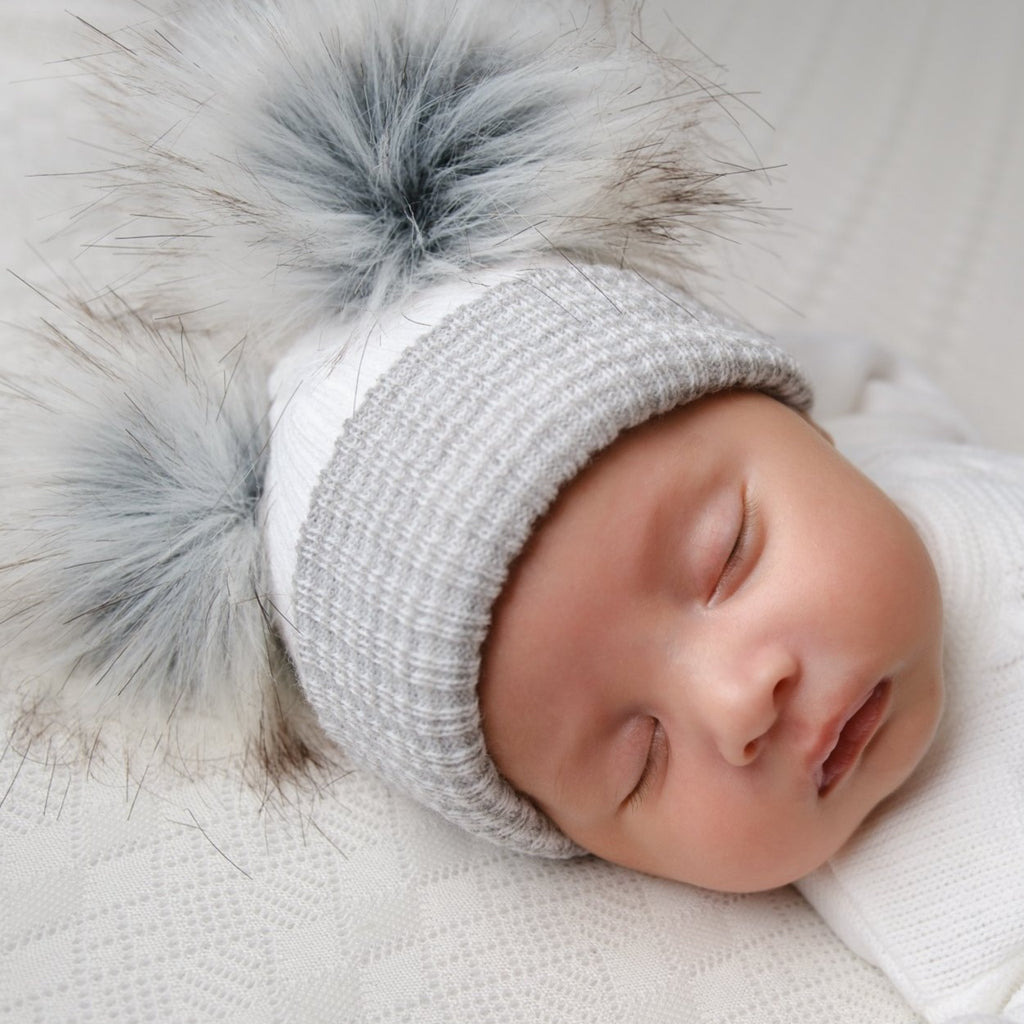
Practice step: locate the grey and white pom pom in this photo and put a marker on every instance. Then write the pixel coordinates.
(130, 530)
(288, 160)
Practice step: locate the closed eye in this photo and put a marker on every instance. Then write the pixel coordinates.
(740, 548)
(656, 752)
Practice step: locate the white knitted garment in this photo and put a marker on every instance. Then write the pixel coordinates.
(320, 383)
(932, 890)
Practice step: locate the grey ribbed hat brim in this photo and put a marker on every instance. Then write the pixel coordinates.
(435, 485)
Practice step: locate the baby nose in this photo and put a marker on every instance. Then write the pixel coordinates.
(744, 700)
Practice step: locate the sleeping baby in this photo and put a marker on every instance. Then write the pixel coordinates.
(545, 544)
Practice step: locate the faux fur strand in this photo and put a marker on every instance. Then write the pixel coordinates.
(130, 525)
(284, 161)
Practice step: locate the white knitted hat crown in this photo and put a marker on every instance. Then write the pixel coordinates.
(429, 486)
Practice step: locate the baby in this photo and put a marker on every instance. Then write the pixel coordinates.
(550, 547)
(707, 646)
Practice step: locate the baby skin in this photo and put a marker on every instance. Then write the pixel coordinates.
(720, 650)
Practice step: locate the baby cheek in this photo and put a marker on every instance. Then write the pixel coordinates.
(873, 579)
(908, 602)
(725, 834)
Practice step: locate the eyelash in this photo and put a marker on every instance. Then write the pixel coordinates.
(654, 753)
(739, 547)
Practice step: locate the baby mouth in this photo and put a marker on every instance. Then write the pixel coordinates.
(854, 735)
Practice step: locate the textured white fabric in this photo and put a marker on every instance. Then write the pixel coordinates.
(899, 125)
(196, 900)
(893, 137)
(933, 890)
(317, 386)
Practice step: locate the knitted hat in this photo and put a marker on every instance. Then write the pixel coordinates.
(439, 200)
(432, 482)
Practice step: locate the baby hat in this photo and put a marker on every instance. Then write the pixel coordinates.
(423, 488)
(467, 214)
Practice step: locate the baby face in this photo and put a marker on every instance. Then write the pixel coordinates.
(719, 651)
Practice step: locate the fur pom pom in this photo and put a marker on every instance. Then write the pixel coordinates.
(131, 532)
(298, 159)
